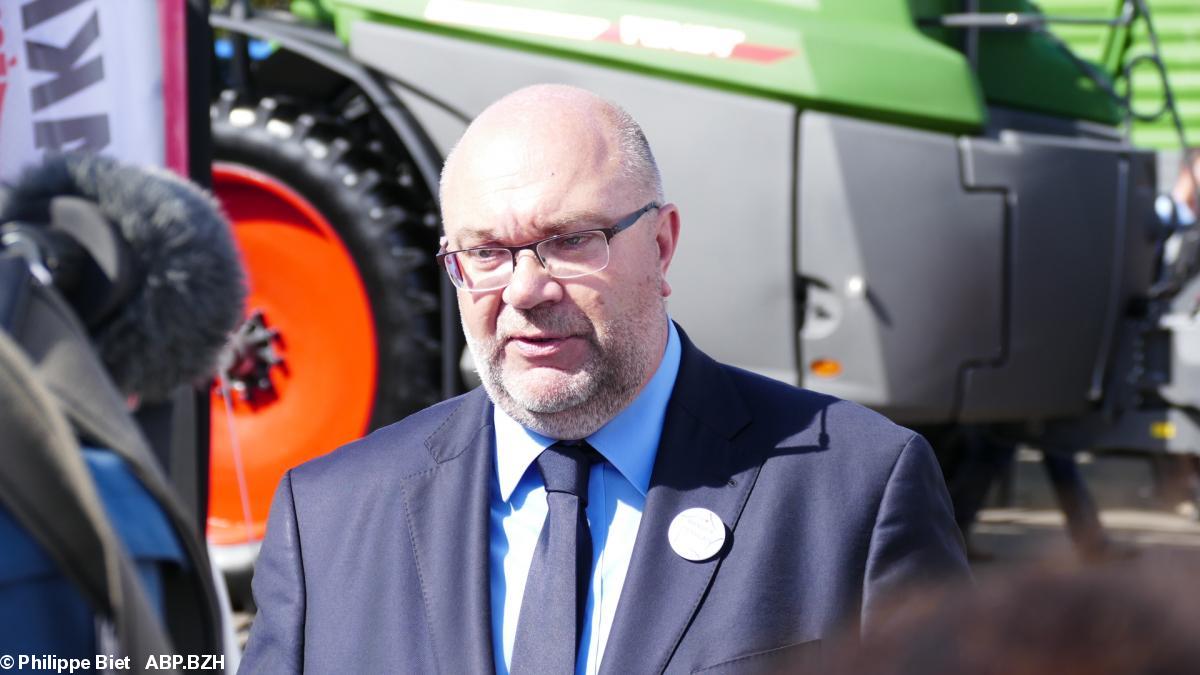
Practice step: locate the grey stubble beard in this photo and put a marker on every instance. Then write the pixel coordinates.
(607, 382)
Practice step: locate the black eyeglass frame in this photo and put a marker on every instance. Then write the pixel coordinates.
(609, 232)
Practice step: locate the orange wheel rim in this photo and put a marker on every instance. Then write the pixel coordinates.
(304, 283)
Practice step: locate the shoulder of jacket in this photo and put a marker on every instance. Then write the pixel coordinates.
(773, 400)
(397, 449)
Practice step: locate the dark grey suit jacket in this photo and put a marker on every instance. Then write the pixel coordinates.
(376, 556)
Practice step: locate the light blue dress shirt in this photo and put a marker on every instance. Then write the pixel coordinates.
(616, 495)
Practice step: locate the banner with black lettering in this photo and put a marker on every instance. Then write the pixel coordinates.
(86, 75)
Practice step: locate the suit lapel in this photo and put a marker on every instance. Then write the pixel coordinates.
(696, 467)
(447, 510)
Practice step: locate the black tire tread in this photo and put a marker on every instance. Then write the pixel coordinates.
(386, 220)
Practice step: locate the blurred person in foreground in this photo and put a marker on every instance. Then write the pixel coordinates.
(1177, 477)
(1131, 618)
(735, 518)
(1183, 193)
(119, 283)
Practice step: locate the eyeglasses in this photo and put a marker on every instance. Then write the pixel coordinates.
(563, 256)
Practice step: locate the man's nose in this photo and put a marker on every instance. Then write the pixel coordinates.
(531, 284)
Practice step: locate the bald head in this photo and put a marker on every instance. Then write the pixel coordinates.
(555, 130)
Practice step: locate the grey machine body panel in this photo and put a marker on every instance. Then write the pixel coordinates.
(727, 160)
(1082, 249)
(904, 269)
(995, 293)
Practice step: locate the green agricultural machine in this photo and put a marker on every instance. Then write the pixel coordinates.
(931, 207)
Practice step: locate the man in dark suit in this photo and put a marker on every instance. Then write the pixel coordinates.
(612, 500)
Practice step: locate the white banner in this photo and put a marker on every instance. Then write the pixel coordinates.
(80, 75)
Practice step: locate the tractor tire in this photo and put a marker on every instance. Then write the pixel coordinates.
(337, 237)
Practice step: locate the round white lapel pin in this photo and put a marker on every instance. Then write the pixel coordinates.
(696, 534)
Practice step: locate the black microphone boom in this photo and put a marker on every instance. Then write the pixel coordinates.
(175, 282)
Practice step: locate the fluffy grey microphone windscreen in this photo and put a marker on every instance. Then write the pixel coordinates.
(188, 289)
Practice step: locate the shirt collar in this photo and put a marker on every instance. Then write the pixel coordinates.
(628, 441)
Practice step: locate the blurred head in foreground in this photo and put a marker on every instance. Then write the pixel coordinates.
(1140, 617)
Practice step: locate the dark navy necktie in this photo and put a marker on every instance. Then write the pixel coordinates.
(549, 624)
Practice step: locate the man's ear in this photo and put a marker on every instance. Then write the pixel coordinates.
(667, 238)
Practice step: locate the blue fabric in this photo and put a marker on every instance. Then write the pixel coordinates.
(617, 496)
(137, 517)
(41, 610)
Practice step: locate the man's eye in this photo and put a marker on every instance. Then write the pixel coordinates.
(482, 254)
(572, 241)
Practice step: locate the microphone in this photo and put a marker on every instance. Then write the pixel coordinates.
(145, 258)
